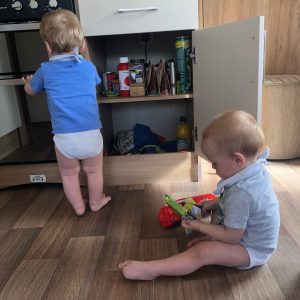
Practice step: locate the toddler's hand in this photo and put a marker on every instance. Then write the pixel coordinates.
(193, 225)
(206, 209)
(27, 79)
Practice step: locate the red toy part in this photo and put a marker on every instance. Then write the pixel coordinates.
(168, 217)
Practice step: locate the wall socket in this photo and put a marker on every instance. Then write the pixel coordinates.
(37, 178)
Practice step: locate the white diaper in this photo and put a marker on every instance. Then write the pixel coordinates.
(257, 258)
(79, 145)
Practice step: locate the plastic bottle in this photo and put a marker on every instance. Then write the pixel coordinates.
(183, 135)
(123, 70)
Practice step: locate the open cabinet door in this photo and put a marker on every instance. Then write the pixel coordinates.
(228, 71)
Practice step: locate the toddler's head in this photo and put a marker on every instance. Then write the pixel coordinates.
(234, 136)
(61, 29)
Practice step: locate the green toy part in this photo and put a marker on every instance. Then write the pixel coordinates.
(182, 211)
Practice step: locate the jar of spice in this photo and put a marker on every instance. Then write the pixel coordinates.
(137, 77)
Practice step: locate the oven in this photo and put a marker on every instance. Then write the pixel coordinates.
(23, 15)
(17, 15)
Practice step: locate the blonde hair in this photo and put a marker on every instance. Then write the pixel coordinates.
(235, 131)
(62, 30)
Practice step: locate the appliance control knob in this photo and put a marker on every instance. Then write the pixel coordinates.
(33, 4)
(17, 5)
(53, 3)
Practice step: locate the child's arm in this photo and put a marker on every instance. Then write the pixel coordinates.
(218, 232)
(27, 86)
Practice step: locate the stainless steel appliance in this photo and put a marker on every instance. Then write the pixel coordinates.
(16, 15)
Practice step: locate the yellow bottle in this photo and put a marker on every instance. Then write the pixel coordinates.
(183, 135)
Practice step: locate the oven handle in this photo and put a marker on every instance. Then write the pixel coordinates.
(13, 78)
(19, 26)
(15, 81)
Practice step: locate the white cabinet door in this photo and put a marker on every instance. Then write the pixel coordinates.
(101, 17)
(228, 73)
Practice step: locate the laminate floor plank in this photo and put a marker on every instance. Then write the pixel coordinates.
(3, 233)
(75, 270)
(123, 233)
(16, 205)
(131, 187)
(287, 177)
(153, 201)
(111, 285)
(209, 283)
(285, 267)
(54, 237)
(12, 251)
(289, 212)
(30, 280)
(163, 287)
(5, 196)
(96, 223)
(38, 213)
(257, 283)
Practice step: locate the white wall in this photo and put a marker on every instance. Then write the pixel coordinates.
(9, 110)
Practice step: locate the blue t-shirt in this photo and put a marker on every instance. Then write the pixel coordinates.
(70, 83)
(249, 202)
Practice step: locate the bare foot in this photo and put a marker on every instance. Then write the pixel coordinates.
(79, 209)
(103, 201)
(136, 270)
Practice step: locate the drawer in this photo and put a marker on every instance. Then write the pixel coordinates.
(99, 17)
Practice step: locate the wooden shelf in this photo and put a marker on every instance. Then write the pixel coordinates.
(107, 100)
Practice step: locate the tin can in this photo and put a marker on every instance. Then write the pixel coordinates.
(183, 63)
(109, 80)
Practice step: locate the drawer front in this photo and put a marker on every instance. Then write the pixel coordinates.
(99, 17)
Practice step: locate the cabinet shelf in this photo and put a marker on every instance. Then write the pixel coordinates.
(107, 100)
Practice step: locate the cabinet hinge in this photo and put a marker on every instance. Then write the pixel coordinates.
(195, 134)
(193, 55)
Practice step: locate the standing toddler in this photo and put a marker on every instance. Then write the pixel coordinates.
(69, 81)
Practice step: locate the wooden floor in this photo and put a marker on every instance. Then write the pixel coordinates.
(47, 252)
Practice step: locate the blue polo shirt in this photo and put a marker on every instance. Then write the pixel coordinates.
(70, 83)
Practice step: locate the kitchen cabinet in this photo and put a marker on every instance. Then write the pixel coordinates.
(227, 74)
(100, 17)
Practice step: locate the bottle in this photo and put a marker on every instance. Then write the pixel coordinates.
(184, 66)
(123, 70)
(171, 68)
(183, 135)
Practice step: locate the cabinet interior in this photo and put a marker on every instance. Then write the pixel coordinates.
(161, 116)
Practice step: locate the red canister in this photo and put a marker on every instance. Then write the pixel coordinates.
(123, 70)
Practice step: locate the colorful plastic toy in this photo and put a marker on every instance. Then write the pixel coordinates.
(170, 214)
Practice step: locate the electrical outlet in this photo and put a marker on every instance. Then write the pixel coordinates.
(38, 178)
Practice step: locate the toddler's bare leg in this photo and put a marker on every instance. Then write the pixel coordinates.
(201, 254)
(93, 169)
(69, 170)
